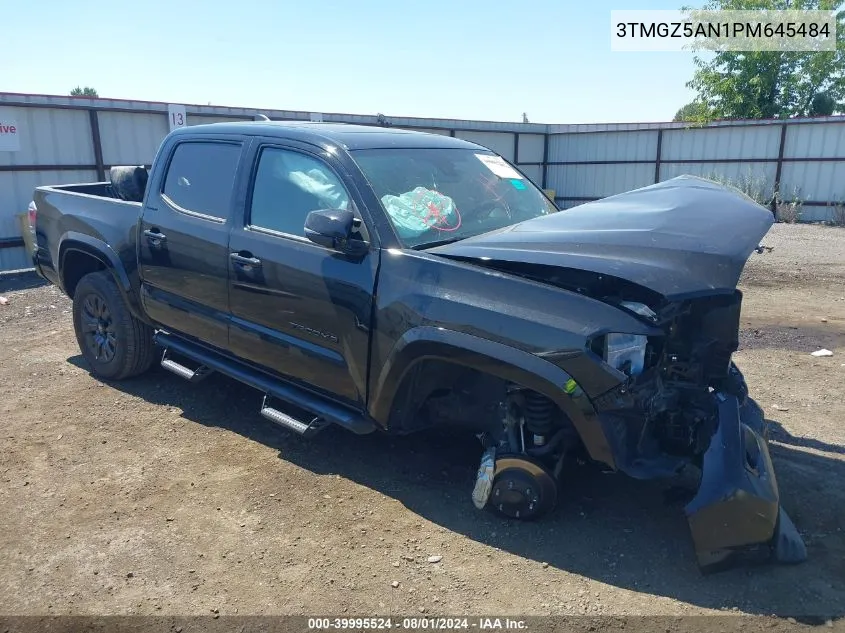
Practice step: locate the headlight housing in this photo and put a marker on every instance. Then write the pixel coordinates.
(626, 352)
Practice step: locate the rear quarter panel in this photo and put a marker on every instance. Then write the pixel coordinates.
(68, 219)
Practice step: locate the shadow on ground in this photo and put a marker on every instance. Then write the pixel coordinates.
(804, 338)
(782, 436)
(606, 527)
(11, 282)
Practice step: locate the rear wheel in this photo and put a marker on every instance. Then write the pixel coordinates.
(115, 343)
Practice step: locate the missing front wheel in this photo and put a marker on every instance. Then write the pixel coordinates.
(514, 486)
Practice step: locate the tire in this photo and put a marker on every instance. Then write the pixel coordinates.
(128, 182)
(115, 343)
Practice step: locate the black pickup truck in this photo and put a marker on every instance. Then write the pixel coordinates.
(390, 280)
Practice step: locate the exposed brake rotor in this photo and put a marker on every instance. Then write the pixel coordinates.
(522, 488)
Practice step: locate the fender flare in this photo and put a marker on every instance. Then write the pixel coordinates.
(527, 369)
(100, 250)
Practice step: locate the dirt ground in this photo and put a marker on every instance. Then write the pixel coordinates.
(155, 496)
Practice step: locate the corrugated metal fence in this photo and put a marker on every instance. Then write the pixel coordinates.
(66, 140)
(70, 139)
(802, 159)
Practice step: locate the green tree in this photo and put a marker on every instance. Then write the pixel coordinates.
(83, 92)
(694, 111)
(823, 105)
(772, 84)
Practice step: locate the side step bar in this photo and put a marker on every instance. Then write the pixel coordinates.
(289, 422)
(326, 410)
(191, 375)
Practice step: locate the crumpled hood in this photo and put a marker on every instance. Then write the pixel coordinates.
(680, 237)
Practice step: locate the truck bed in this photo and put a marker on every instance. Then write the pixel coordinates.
(126, 183)
(81, 213)
(99, 189)
(87, 204)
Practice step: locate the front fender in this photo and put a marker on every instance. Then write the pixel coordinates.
(100, 250)
(526, 369)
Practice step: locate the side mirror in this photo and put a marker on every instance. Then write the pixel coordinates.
(333, 228)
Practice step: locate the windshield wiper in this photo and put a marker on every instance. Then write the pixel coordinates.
(436, 243)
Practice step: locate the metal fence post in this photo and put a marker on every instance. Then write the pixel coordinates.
(97, 144)
(545, 159)
(778, 168)
(657, 158)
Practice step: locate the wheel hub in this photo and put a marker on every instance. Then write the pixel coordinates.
(522, 488)
(98, 328)
(516, 495)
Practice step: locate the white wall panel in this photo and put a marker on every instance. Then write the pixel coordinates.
(814, 181)
(759, 175)
(49, 137)
(499, 142)
(531, 148)
(597, 181)
(713, 143)
(603, 146)
(824, 140)
(130, 138)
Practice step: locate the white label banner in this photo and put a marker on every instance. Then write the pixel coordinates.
(10, 136)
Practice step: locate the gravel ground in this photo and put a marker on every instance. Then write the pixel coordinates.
(154, 496)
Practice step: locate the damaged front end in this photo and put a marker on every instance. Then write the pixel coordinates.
(687, 409)
(666, 399)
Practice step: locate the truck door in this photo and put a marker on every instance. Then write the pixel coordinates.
(299, 309)
(184, 234)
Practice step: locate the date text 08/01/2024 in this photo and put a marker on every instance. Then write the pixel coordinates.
(415, 624)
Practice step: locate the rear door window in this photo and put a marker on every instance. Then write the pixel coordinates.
(201, 177)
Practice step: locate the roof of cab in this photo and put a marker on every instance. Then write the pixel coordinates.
(347, 136)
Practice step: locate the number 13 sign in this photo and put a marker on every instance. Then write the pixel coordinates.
(176, 116)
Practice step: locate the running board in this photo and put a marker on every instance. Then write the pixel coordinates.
(191, 375)
(281, 418)
(326, 410)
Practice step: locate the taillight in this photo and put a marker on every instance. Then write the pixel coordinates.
(33, 211)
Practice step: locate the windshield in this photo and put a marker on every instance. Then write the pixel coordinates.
(436, 195)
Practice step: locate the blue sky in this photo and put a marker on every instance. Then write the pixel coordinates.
(440, 58)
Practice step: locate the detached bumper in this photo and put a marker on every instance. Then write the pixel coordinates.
(736, 511)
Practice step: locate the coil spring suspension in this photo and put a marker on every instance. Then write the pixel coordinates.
(538, 413)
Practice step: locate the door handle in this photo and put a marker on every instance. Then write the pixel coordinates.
(155, 236)
(245, 260)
